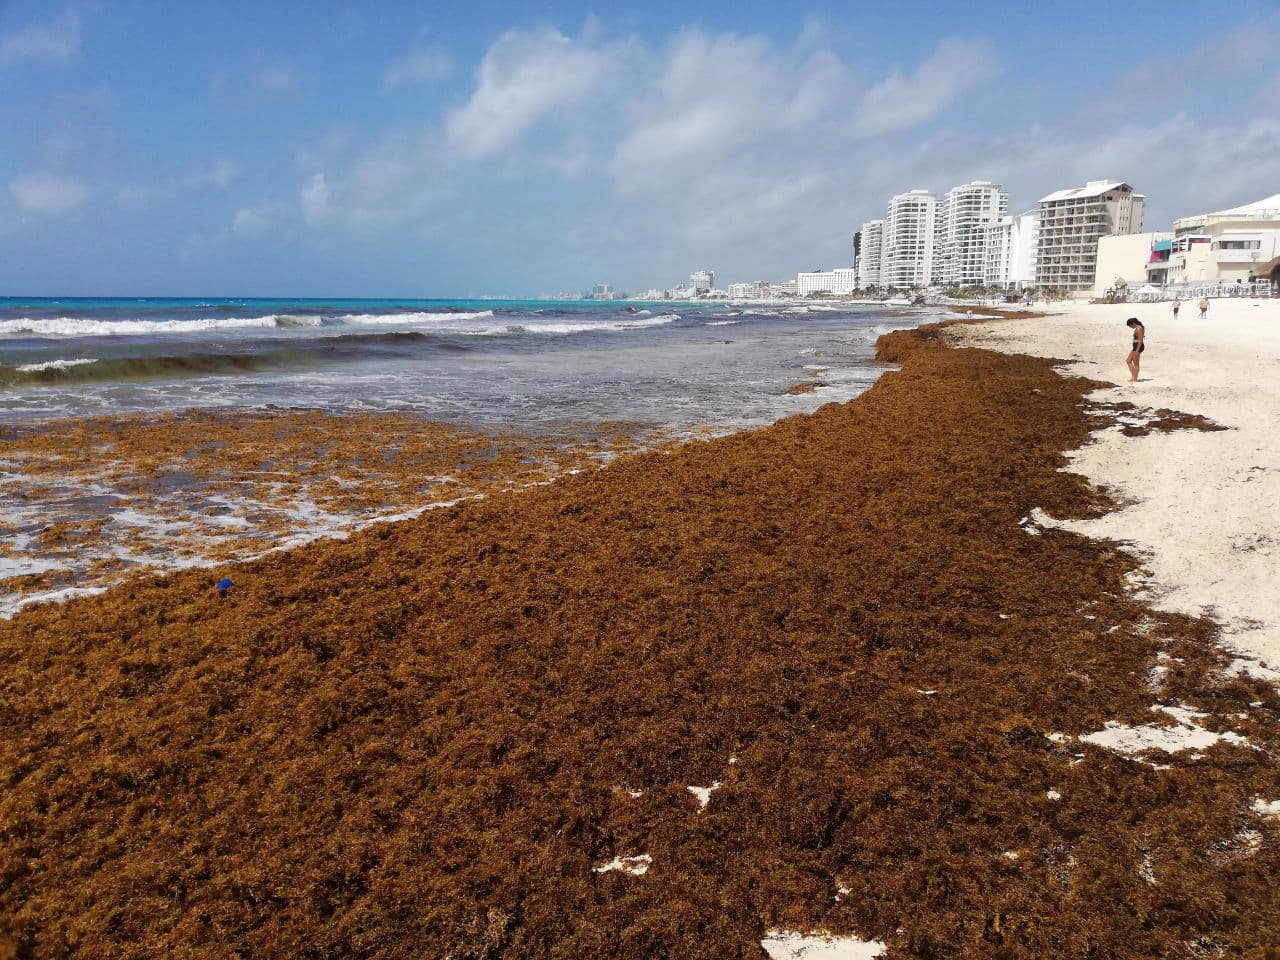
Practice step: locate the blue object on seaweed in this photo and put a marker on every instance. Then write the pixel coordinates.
(224, 585)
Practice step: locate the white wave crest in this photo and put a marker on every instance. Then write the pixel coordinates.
(722, 323)
(473, 325)
(478, 323)
(442, 318)
(53, 365)
(584, 326)
(86, 327)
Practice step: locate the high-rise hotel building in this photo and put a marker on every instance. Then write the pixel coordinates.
(870, 254)
(961, 244)
(1070, 224)
(907, 255)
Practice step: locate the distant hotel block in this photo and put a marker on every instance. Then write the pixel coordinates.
(1071, 222)
(968, 239)
(1011, 252)
(838, 282)
(869, 259)
(907, 253)
(961, 243)
(702, 282)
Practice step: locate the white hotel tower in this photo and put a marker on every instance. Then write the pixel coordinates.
(907, 260)
(870, 257)
(961, 245)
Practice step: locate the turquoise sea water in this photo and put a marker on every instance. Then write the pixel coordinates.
(675, 365)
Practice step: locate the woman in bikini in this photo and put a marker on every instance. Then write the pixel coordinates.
(1139, 344)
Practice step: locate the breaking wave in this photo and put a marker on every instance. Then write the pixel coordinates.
(86, 327)
(54, 365)
(57, 373)
(477, 323)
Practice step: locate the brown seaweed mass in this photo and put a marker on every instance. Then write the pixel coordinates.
(422, 741)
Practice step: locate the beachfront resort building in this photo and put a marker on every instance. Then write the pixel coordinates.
(1071, 224)
(752, 290)
(1239, 244)
(907, 253)
(1123, 260)
(1011, 252)
(870, 254)
(838, 282)
(960, 247)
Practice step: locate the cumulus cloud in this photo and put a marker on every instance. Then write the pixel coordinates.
(54, 42)
(418, 66)
(48, 195)
(314, 199)
(745, 153)
(906, 100)
(524, 78)
(715, 95)
(398, 180)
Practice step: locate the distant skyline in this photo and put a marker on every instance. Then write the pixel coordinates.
(515, 148)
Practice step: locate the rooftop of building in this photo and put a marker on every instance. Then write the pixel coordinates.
(1094, 188)
(1266, 209)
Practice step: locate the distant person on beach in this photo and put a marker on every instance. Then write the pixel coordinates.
(1204, 307)
(1139, 344)
(1177, 305)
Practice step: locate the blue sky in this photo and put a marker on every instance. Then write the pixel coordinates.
(329, 149)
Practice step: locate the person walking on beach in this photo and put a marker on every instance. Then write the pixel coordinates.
(1139, 344)
(1177, 305)
(1204, 307)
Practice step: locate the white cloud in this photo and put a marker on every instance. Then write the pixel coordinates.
(418, 66)
(52, 43)
(524, 78)
(750, 155)
(47, 195)
(395, 181)
(314, 199)
(903, 100)
(217, 175)
(715, 95)
(1178, 162)
(256, 220)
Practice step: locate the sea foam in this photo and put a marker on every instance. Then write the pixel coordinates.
(443, 318)
(54, 365)
(86, 327)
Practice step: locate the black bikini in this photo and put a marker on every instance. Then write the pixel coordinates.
(1136, 345)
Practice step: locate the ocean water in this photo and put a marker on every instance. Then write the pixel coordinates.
(674, 366)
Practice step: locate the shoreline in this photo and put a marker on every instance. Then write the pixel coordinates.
(94, 501)
(1198, 506)
(847, 629)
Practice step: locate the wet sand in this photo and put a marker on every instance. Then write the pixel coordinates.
(912, 712)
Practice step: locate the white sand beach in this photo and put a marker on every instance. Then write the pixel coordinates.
(1202, 508)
